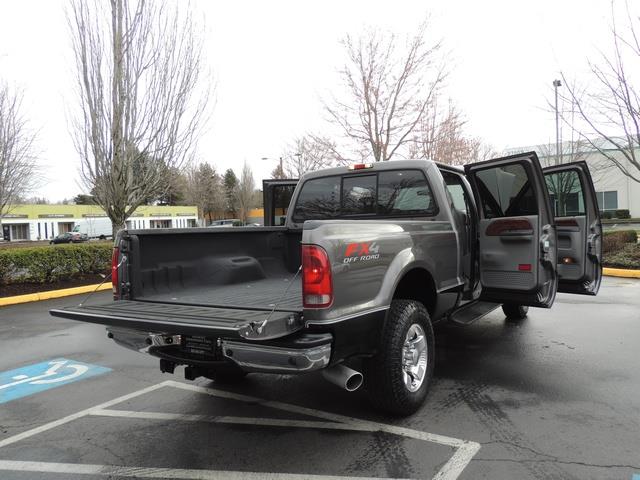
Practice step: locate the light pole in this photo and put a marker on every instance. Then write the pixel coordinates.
(299, 155)
(268, 158)
(556, 84)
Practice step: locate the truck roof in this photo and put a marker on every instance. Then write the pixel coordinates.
(376, 167)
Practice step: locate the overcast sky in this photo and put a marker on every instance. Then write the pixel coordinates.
(274, 60)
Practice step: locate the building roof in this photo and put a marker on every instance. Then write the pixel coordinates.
(94, 211)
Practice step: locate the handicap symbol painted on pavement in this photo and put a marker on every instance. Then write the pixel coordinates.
(36, 378)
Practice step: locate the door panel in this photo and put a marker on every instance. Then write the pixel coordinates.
(579, 229)
(516, 231)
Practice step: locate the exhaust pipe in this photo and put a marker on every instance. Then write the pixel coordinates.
(344, 377)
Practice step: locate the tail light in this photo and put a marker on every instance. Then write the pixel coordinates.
(317, 288)
(114, 272)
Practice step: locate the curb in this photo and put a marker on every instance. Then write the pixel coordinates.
(65, 292)
(621, 272)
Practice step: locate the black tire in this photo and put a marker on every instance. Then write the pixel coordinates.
(515, 312)
(384, 372)
(102, 237)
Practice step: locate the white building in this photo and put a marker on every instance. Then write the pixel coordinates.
(43, 222)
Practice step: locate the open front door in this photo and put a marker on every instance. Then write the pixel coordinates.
(577, 218)
(276, 196)
(517, 238)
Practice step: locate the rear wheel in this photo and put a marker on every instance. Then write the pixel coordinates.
(515, 312)
(399, 375)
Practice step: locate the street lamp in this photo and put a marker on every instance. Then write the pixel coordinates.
(556, 84)
(268, 158)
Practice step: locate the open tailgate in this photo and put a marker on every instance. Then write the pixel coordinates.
(186, 319)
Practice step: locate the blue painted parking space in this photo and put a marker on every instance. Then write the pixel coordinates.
(39, 377)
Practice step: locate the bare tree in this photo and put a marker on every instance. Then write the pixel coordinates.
(206, 191)
(441, 136)
(308, 153)
(609, 106)
(278, 172)
(245, 192)
(389, 87)
(142, 108)
(18, 168)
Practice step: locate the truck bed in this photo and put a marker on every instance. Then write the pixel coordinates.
(261, 294)
(247, 268)
(225, 282)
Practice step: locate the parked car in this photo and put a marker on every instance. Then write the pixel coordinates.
(370, 259)
(69, 237)
(228, 222)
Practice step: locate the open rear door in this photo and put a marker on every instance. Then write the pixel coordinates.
(277, 195)
(577, 218)
(517, 238)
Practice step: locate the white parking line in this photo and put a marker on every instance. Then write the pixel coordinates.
(75, 416)
(153, 472)
(287, 407)
(464, 450)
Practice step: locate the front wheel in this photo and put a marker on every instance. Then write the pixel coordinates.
(515, 312)
(399, 375)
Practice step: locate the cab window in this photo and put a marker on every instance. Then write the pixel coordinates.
(506, 192)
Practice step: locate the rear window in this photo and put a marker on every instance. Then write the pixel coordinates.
(389, 193)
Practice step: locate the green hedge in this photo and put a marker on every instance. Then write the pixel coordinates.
(50, 263)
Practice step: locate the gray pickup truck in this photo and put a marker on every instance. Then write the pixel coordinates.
(369, 259)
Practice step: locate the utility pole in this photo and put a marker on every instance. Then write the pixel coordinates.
(556, 84)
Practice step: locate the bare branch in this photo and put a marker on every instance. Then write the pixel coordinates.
(18, 167)
(609, 109)
(387, 90)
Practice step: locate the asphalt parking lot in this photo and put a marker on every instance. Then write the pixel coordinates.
(555, 396)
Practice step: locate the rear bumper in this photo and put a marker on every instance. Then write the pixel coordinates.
(269, 359)
(298, 353)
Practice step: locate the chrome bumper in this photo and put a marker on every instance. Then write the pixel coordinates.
(263, 358)
(250, 357)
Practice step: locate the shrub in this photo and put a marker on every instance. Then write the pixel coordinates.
(616, 240)
(48, 264)
(7, 267)
(606, 215)
(623, 213)
(627, 257)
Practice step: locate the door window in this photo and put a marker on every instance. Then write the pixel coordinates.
(456, 191)
(505, 191)
(565, 192)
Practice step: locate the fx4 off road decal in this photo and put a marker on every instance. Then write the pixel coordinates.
(361, 252)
